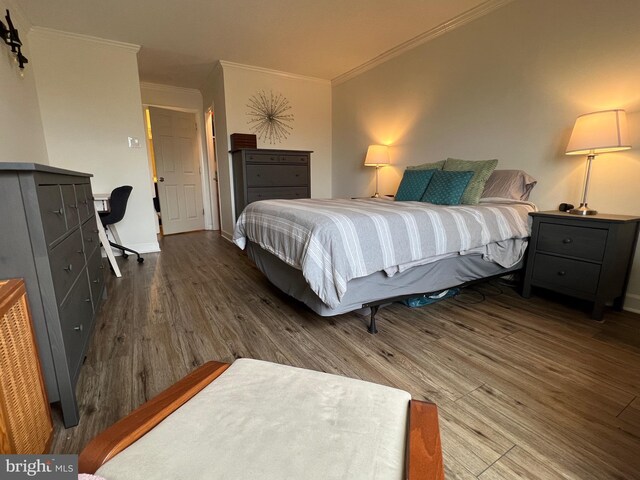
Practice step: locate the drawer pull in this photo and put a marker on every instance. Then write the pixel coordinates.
(68, 268)
(562, 273)
(81, 251)
(101, 267)
(57, 212)
(95, 231)
(97, 280)
(84, 202)
(73, 205)
(89, 239)
(78, 328)
(567, 240)
(87, 300)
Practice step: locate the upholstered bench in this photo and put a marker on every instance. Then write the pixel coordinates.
(260, 420)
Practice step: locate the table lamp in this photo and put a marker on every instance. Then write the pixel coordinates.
(377, 156)
(595, 133)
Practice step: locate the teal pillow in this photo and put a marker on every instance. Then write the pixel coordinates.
(481, 169)
(413, 185)
(446, 188)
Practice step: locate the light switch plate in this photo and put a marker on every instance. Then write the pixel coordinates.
(134, 142)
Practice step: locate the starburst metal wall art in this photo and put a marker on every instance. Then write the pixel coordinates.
(268, 117)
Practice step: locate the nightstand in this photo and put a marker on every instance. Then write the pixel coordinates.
(583, 257)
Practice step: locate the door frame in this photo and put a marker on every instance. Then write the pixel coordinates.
(212, 159)
(209, 204)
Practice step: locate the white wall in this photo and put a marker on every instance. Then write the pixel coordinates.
(187, 100)
(21, 134)
(89, 94)
(311, 106)
(508, 85)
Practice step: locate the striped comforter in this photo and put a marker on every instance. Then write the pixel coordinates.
(334, 241)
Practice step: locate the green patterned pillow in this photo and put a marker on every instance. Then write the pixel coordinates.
(428, 166)
(482, 171)
(413, 185)
(446, 188)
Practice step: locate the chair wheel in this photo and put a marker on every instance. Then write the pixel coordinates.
(140, 260)
(125, 255)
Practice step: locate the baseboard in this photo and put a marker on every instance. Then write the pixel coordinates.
(226, 235)
(632, 302)
(151, 247)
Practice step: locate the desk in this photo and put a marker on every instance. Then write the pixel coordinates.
(101, 201)
(101, 204)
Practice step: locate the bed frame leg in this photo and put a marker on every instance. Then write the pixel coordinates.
(372, 324)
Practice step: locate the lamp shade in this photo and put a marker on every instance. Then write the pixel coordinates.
(599, 132)
(377, 155)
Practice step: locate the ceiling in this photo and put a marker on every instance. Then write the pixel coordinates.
(182, 39)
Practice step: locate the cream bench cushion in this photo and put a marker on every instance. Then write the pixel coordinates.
(261, 420)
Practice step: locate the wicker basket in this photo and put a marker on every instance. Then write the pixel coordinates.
(25, 418)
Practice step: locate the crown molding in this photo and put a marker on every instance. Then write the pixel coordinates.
(50, 32)
(455, 22)
(225, 64)
(160, 87)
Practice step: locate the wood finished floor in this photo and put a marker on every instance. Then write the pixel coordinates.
(525, 388)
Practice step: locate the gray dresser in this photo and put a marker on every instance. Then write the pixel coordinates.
(49, 237)
(260, 174)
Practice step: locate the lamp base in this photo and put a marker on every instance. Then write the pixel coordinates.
(583, 209)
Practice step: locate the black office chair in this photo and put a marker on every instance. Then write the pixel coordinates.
(118, 204)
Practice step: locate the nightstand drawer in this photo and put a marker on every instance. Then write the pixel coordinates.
(581, 242)
(550, 271)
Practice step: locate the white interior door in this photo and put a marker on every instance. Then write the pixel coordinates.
(175, 145)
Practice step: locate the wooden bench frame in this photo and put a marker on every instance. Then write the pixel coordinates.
(423, 456)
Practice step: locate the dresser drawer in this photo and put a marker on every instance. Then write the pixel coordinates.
(295, 159)
(76, 314)
(51, 212)
(95, 274)
(277, 176)
(263, 157)
(85, 201)
(550, 271)
(67, 260)
(581, 242)
(70, 206)
(90, 238)
(266, 193)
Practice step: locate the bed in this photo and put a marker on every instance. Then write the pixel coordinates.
(341, 255)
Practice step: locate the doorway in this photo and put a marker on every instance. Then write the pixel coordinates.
(177, 174)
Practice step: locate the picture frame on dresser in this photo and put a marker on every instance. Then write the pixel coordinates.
(583, 257)
(50, 239)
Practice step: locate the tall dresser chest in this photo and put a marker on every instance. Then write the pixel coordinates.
(262, 174)
(48, 237)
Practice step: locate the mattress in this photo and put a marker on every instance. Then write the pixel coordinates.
(333, 242)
